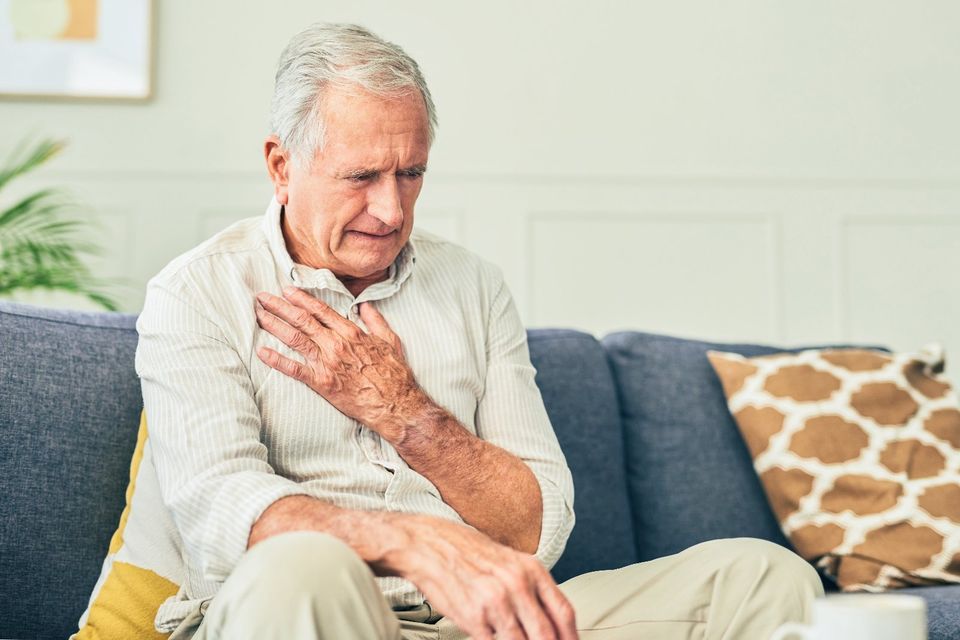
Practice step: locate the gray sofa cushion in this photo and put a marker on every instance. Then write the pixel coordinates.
(69, 410)
(580, 396)
(690, 475)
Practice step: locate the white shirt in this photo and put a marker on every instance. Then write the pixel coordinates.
(231, 435)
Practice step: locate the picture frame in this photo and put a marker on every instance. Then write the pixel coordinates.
(76, 49)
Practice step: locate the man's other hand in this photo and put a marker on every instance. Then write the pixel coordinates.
(364, 375)
(488, 589)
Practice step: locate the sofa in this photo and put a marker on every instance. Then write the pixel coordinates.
(657, 461)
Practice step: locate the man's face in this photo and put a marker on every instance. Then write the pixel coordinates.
(352, 210)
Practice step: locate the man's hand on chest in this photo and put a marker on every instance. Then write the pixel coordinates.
(364, 375)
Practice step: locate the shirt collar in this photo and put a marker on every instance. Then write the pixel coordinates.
(309, 278)
(274, 234)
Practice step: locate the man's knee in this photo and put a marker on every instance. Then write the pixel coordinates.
(300, 585)
(780, 567)
(298, 562)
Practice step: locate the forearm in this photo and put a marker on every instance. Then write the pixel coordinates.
(492, 489)
(376, 536)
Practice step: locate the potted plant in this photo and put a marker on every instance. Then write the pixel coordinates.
(40, 241)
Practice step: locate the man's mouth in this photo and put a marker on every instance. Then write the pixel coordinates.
(374, 236)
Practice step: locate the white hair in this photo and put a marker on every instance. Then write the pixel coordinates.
(336, 54)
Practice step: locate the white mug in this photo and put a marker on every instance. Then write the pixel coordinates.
(862, 616)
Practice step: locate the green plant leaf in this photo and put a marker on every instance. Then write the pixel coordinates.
(22, 160)
(40, 241)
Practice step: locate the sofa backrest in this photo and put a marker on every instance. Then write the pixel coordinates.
(578, 391)
(69, 410)
(690, 475)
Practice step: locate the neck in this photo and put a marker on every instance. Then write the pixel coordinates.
(303, 254)
(357, 285)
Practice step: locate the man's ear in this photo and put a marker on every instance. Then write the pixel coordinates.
(278, 167)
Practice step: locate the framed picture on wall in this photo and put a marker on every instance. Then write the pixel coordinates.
(76, 49)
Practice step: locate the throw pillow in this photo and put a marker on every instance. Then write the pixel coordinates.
(858, 452)
(142, 568)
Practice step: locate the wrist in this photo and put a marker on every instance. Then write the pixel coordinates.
(388, 542)
(410, 415)
(382, 539)
(378, 537)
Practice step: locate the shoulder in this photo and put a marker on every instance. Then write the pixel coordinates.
(238, 244)
(439, 255)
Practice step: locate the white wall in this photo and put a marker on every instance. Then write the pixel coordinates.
(774, 171)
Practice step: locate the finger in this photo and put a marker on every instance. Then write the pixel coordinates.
(378, 326)
(283, 364)
(534, 619)
(293, 338)
(291, 314)
(523, 604)
(482, 632)
(321, 311)
(506, 626)
(560, 610)
(475, 627)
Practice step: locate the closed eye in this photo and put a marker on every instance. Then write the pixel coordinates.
(361, 176)
(416, 172)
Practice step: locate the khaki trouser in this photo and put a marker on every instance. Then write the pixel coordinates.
(306, 586)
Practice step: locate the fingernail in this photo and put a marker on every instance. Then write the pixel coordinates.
(261, 297)
(289, 291)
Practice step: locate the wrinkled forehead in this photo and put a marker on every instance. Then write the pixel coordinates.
(351, 110)
(362, 128)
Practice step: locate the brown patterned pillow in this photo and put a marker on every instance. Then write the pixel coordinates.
(859, 454)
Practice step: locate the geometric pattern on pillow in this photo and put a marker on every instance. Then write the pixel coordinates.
(143, 566)
(859, 454)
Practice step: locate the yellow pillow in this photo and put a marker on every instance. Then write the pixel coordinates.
(143, 566)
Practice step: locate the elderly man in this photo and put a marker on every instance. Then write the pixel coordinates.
(345, 420)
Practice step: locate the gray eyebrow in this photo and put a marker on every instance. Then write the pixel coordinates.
(357, 173)
(418, 169)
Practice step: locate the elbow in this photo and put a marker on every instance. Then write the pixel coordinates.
(286, 514)
(529, 540)
(530, 526)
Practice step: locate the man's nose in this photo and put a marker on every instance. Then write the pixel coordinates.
(384, 202)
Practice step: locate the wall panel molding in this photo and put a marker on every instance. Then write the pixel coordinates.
(763, 279)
